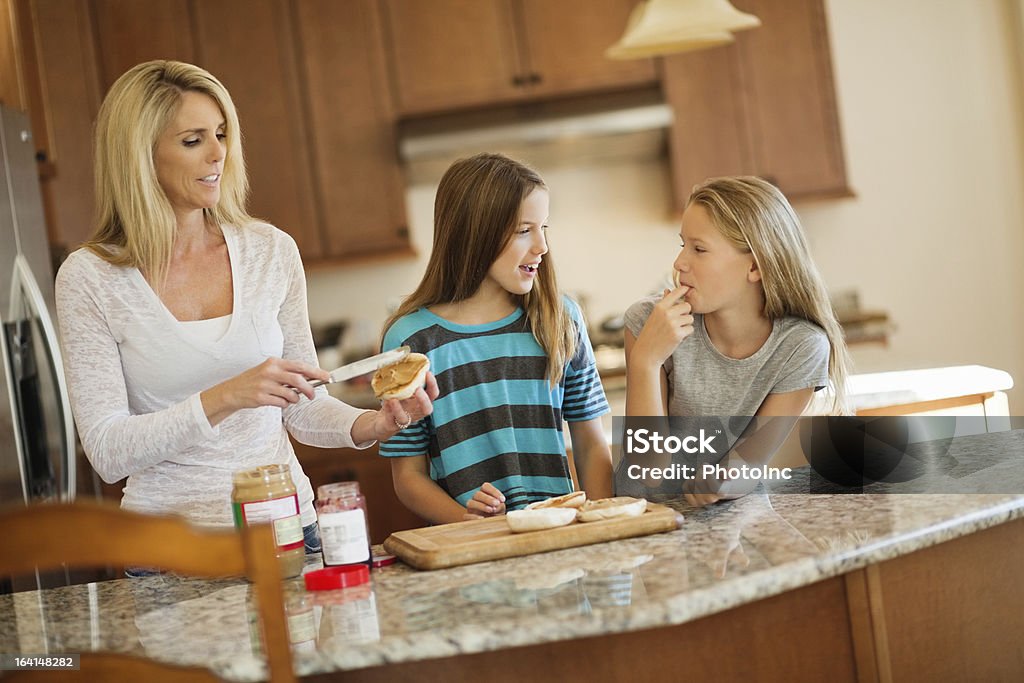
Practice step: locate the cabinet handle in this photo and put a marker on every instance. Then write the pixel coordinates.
(518, 80)
(535, 78)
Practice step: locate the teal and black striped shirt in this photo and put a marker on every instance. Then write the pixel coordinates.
(496, 418)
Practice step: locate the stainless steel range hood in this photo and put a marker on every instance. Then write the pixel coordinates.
(627, 126)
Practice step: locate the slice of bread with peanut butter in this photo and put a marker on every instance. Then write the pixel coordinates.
(401, 380)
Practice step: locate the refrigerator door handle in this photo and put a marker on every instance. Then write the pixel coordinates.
(19, 448)
(28, 282)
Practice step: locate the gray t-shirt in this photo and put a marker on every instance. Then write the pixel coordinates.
(702, 381)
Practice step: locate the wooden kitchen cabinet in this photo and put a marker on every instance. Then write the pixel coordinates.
(249, 45)
(57, 41)
(565, 43)
(763, 106)
(359, 182)
(451, 54)
(373, 472)
(10, 86)
(307, 79)
(120, 43)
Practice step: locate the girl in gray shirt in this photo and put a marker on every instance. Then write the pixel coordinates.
(749, 330)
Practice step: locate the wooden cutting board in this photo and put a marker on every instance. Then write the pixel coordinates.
(479, 540)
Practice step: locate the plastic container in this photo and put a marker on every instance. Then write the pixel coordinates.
(344, 527)
(267, 494)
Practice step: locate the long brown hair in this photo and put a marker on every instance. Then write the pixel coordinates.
(476, 210)
(135, 224)
(756, 218)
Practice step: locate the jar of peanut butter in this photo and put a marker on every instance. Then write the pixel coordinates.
(265, 495)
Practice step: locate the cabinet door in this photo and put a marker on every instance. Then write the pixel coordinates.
(356, 169)
(447, 54)
(764, 105)
(69, 99)
(122, 43)
(564, 44)
(10, 83)
(794, 121)
(711, 134)
(249, 46)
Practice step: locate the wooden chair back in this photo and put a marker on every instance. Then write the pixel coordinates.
(92, 534)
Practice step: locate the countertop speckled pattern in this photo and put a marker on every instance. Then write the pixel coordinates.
(723, 556)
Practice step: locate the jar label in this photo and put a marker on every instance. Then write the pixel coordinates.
(301, 626)
(288, 532)
(353, 621)
(344, 537)
(282, 512)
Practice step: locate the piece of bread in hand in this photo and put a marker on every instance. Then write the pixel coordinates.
(569, 500)
(535, 520)
(611, 508)
(401, 380)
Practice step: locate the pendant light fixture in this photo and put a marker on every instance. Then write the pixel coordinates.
(659, 27)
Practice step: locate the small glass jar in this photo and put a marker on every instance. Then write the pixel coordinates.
(267, 494)
(344, 526)
(302, 617)
(349, 616)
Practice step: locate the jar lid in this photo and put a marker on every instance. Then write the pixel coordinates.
(339, 489)
(382, 561)
(262, 473)
(333, 578)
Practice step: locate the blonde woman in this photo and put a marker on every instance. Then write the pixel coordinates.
(511, 353)
(749, 330)
(183, 320)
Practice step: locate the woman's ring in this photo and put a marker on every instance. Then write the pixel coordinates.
(402, 426)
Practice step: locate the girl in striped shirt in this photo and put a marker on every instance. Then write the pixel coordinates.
(510, 354)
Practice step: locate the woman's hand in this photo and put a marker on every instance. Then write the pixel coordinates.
(274, 382)
(487, 502)
(395, 415)
(669, 324)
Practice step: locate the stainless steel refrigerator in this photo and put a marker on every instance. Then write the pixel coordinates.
(37, 440)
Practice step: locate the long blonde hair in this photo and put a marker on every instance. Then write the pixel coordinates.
(134, 223)
(476, 212)
(756, 218)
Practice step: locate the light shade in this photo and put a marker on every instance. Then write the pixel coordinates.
(659, 27)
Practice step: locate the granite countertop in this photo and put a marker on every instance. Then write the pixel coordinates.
(726, 555)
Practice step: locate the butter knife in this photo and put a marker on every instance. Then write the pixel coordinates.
(364, 366)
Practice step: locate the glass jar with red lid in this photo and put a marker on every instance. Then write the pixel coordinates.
(344, 525)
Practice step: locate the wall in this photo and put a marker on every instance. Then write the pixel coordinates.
(930, 107)
(930, 102)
